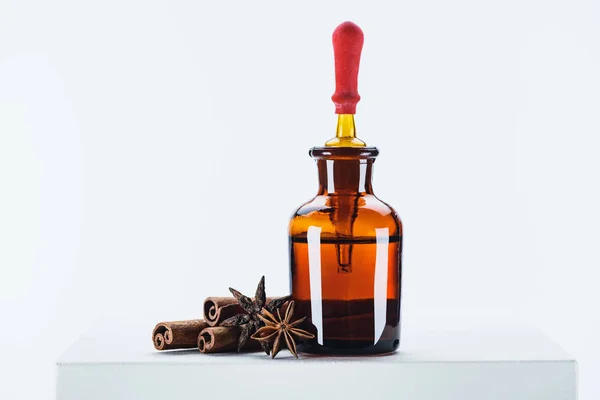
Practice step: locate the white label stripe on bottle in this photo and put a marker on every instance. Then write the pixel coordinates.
(314, 272)
(381, 278)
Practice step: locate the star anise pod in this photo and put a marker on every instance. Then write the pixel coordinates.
(276, 327)
(250, 321)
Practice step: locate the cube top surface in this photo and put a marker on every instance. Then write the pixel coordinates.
(132, 344)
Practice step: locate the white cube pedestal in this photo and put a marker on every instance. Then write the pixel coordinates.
(441, 365)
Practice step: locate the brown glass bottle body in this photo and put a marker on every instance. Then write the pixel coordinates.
(346, 258)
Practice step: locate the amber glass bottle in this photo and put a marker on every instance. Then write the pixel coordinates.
(346, 244)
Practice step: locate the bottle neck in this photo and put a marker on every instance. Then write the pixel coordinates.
(345, 133)
(345, 177)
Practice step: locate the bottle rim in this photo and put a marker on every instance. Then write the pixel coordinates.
(344, 153)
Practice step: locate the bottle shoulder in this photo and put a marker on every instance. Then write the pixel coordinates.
(367, 213)
(368, 203)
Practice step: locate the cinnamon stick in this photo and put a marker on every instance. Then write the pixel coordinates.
(177, 334)
(218, 309)
(219, 339)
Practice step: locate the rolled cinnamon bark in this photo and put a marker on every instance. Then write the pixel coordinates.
(218, 309)
(219, 339)
(177, 334)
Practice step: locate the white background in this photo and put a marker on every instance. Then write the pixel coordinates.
(151, 154)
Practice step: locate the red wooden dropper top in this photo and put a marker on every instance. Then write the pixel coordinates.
(347, 45)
